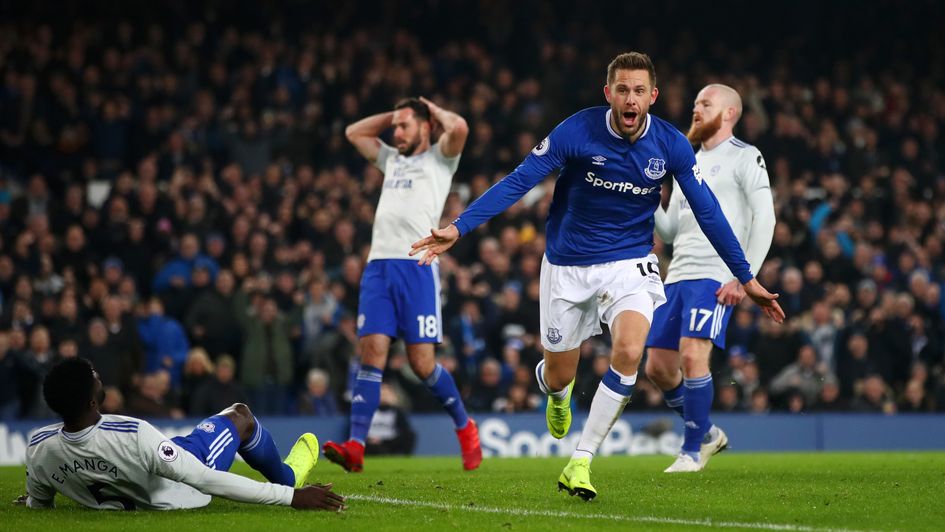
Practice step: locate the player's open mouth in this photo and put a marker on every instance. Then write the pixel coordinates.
(629, 118)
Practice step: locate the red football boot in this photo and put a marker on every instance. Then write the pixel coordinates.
(469, 445)
(350, 454)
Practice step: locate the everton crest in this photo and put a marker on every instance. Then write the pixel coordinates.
(554, 336)
(655, 169)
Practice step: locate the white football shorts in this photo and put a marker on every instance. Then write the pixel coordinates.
(575, 300)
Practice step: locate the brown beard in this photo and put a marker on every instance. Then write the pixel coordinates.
(409, 149)
(699, 134)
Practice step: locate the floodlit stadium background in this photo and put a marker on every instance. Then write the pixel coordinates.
(204, 140)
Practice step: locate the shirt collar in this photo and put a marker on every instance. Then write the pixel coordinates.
(82, 434)
(717, 145)
(646, 128)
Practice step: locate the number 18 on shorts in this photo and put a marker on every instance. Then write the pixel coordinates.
(401, 299)
(691, 311)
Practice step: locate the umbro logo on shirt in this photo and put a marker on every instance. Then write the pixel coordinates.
(598, 160)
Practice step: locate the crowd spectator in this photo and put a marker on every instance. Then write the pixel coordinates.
(390, 431)
(317, 399)
(9, 376)
(219, 390)
(211, 319)
(806, 377)
(267, 360)
(165, 344)
(152, 398)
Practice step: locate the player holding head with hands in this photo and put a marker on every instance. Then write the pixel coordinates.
(598, 264)
(700, 290)
(400, 298)
(123, 463)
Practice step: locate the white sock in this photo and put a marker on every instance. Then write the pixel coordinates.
(605, 409)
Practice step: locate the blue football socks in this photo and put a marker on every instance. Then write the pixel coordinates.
(365, 399)
(442, 385)
(697, 403)
(261, 454)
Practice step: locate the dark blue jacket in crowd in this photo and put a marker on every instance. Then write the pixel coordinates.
(181, 267)
(163, 336)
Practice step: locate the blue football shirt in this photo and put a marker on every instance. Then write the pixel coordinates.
(607, 191)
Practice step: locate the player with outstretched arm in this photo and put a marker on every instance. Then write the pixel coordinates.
(598, 264)
(122, 463)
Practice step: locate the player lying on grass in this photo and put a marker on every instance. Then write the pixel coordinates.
(123, 463)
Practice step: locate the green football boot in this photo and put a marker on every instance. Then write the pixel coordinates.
(302, 458)
(558, 414)
(576, 479)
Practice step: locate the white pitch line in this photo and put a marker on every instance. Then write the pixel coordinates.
(522, 512)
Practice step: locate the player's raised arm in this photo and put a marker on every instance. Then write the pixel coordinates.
(364, 134)
(163, 457)
(716, 228)
(455, 129)
(549, 155)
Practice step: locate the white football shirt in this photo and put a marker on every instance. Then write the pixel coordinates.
(125, 463)
(736, 174)
(415, 190)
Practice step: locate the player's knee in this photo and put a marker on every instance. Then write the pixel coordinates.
(628, 350)
(422, 367)
(374, 352)
(242, 418)
(662, 375)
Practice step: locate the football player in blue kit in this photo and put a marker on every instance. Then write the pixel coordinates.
(598, 264)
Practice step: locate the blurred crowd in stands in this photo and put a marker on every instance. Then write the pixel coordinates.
(179, 205)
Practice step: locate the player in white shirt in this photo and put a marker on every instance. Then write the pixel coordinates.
(699, 289)
(400, 298)
(123, 463)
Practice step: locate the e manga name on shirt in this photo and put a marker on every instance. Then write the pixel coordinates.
(87, 464)
(620, 187)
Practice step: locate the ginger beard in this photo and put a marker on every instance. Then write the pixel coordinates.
(701, 130)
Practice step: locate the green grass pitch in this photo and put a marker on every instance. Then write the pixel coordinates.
(801, 492)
